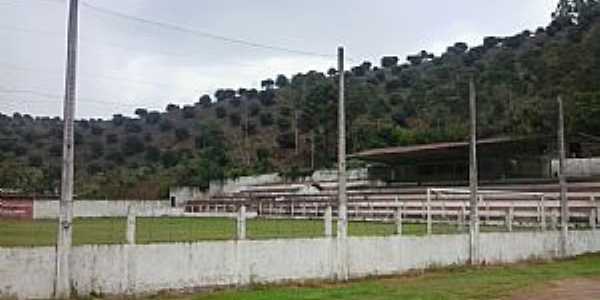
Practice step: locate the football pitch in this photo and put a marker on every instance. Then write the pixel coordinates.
(30, 233)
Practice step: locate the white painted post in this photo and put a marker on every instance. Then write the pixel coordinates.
(429, 219)
(444, 215)
(131, 226)
(398, 217)
(597, 207)
(543, 213)
(509, 218)
(260, 210)
(593, 219)
(292, 208)
(241, 223)
(329, 221)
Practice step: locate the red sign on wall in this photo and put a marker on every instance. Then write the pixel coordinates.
(16, 208)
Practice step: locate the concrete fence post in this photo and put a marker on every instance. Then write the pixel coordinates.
(260, 210)
(509, 218)
(292, 208)
(462, 218)
(131, 224)
(241, 223)
(554, 220)
(328, 221)
(398, 217)
(593, 219)
(543, 213)
(593, 213)
(429, 219)
(597, 206)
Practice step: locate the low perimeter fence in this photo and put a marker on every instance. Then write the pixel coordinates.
(278, 239)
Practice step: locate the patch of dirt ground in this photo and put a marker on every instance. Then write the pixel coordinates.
(570, 289)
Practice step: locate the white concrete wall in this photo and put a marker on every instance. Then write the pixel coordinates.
(579, 167)
(27, 273)
(183, 194)
(48, 209)
(142, 269)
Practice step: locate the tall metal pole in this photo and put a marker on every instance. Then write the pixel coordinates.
(564, 204)
(342, 197)
(473, 177)
(65, 229)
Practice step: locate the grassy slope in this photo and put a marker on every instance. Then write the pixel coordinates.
(497, 282)
(112, 230)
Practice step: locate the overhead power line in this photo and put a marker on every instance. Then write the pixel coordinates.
(200, 33)
(121, 80)
(203, 34)
(58, 98)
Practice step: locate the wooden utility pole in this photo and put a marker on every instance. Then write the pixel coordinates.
(62, 289)
(342, 197)
(564, 204)
(473, 177)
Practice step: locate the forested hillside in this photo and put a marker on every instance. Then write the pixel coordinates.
(289, 125)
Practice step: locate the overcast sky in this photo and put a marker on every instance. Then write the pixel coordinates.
(124, 64)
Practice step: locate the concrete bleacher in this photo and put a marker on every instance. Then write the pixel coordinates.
(523, 204)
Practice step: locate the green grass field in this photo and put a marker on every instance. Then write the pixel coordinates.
(495, 282)
(15, 233)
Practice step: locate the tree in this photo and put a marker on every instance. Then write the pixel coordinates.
(55, 150)
(253, 109)
(165, 125)
(115, 156)
(389, 61)
(112, 139)
(182, 134)
(221, 112)
(235, 119)
(169, 159)
(172, 107)
(267, 84)
(153, 117)
(35, 160)
(188, 112)
(133, 127)
(132, 145)
(152, 154)
(266, 120)
(96, 149)
(575, 10)
(267, 97)
(118, 120)
(286, 141)
(97, 130)
(141, 112)
(282, 81)
(491, 42)
(284, 124)
(220, 95)
(205, 101)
